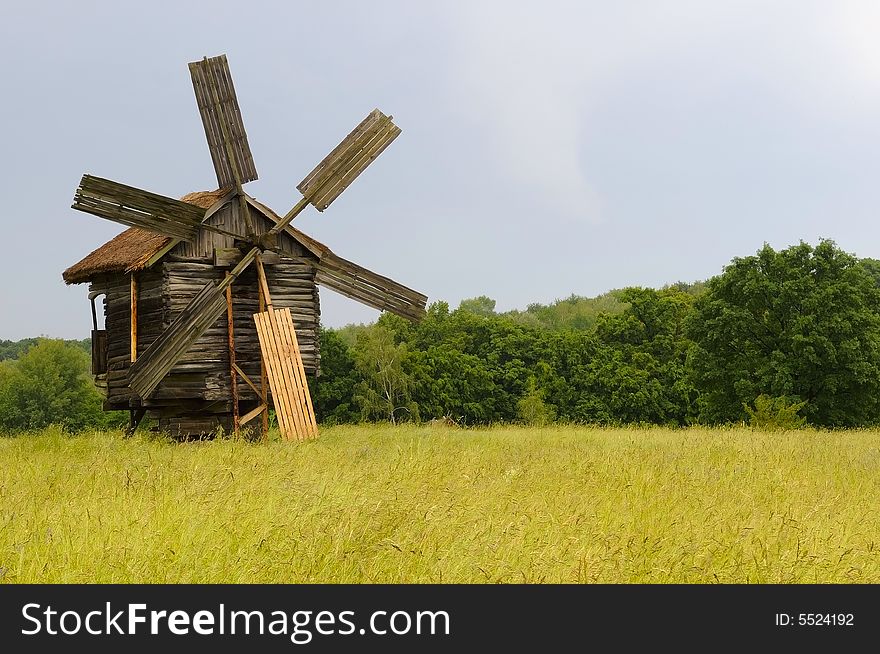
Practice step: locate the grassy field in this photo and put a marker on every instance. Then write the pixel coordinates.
(432, 504)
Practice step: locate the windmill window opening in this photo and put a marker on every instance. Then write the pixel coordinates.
(99, 338)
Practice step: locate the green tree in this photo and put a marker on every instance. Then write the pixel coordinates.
(481, 305)
(638, 371)
(574, 312)
(872, 267)
(448, 383)
(531, 407)
(775, 414)
(50, 384)
(801, 323)
(334, 390)
(14, 349)
(384, 389)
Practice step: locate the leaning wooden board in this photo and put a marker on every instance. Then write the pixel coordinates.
(287, 377)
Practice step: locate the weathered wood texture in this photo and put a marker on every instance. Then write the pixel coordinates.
(175, 342)
(292, 286)
(133, 316)
(290, 391)
(99, 351)
(138, 208)
(348, 159)
(230, 219)
(193, 425)
(379, 292)
(221, 117)
(230, 350)
(152, 317)
(203, 373)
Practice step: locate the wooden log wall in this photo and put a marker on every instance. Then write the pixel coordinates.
(152, 318)
(188, 426)
(292, 285)
(202, 376)
(203, 373)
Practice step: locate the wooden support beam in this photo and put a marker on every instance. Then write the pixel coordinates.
(246, 378)
(264, 382)
(134, 314)
(94, 313)
(264, 284)
(135, 415)
(233, 379)
(250, 415)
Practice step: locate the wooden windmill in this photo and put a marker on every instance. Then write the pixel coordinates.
(234, 231)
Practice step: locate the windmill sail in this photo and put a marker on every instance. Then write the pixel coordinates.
(221, 117)
(348, 159)
(138, 208)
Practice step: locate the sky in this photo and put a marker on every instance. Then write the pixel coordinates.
(548, 148)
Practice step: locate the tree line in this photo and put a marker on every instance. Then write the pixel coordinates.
(791, 334)
(779, 337)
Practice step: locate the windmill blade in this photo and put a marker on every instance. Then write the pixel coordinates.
(221, 116)
(365, 286)
(138, 208)
(160, 357)
(349, 159)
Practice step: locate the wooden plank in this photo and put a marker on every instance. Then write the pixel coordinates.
(381, 293)
(161, 253)
(264, 380)
(286, 374)
(250, 415)
(352, 142)
(285, 407)
(333, 187)
(286, 404)
(224, 257)
(367, 294)
(233, 379)
(275, 375)
(236, 368)
(133, 318)
(218, 205)
(285, 321)
(264, 285)
(332, 262)
(99, 351)
(287, 377)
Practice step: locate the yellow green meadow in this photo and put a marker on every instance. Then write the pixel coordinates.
(428, 504)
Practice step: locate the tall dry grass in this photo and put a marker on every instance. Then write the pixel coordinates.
(431, 504)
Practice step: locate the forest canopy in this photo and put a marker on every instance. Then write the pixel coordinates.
(793, 333)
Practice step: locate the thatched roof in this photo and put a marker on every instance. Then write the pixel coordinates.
(133, 248)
